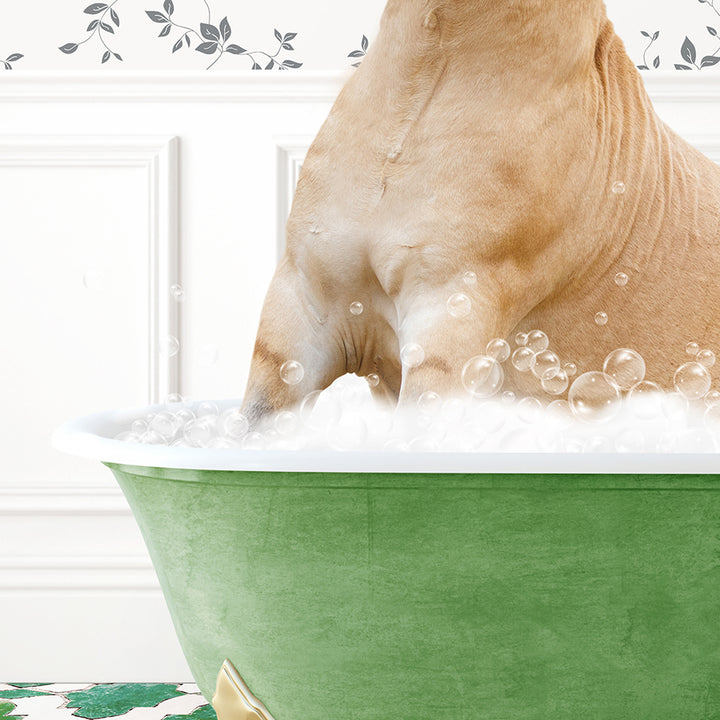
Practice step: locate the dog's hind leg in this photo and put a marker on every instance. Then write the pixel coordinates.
(297, 349)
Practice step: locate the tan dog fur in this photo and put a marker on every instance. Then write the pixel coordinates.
(485, 136)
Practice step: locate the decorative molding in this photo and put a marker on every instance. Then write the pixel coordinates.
(290, 155)
(240, 87)
(158, 157)
(255, 87)
(62, 502)
(52, 573)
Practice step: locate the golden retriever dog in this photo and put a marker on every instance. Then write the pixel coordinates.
(513, 140)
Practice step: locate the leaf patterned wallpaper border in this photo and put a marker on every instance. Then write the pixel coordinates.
(680, 35)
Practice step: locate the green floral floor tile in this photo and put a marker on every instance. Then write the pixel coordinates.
(120, 701)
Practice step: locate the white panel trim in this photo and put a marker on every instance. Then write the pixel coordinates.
(158, 157)
(78, 573)
(62, 502)
(249, 86)
(290, 155)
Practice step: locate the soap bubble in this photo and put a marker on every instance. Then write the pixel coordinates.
(706, 358)
(177, 292)
(712, 398)
(498, 349)
(529, 410)
(554, 381)
(712, 417)
(508, 397)
(373, 380)
(139, 426)
(543, 361)
(598, 444)
(521, 339)
(570, 369)
(692, 348)
(601, 318)
(646, 399)
(253, 441)
(459, 305)
(173, 398)
(292, 372)
(625, 367)
(128, 436)
(164, 424)
(412, 355)
(594, 397)
(356, 308)
(630, 440)
(470, 278)
(692, 380)
(621, 279)
(482, 376)
(233, 423)
(206, 408)
(429, 403)
(94, 280)
(537, 341)
(522, 358)
(453, 410)
(153, 438)
(169, 346)
(560, 414)
(348, 434)
(286, 422)
(618, 187)
(199, 432)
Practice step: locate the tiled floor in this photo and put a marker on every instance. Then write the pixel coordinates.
(130, 701)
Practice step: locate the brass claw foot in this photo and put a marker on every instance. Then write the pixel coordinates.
(233, 700)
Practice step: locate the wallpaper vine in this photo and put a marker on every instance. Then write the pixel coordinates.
(683, 35)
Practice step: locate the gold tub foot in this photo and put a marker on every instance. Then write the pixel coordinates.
(233, 700)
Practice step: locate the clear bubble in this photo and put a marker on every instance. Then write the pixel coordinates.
(153, 438)
(490, 417)
(222, 443)
(470, 278)
(543, 361)
(711, 417)
(625, 367)
(646, 399)
(208, 355)
(286, 423)
(560, 414)
(453, 410)
(601, 318)
(508, 397)
(429, 403)
(598, 444)
(173, 398)
(459, 305)
(373, 380)
(139, 426)
(706, 358)
(674, 406)
(522, 359)
(177, 292)
(712, 398)
(537, 341)
(207, 409)
(253, 441)
(233, 423)
(94, 280)
(412, 355)
(292, 372)
(692, 348)
(169, 346)
(183, 415)
(482, 376)
(165, 424)
(319, 410)
(692, 380)
(530, 410)
(594, 397)
(554, 381)
(498, 349)
(570, 369)
(128, 436)
(521, 338)
(356, 308)
(199, 432)
(618, 187)
(630, 440)
(621, 279)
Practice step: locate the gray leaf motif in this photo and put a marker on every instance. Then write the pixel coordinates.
(95, 8)
(235, 49)
(709, 61)
(165, 31)
(14, 57)
(209, 32)
(225, 30)
(207, 47)
(688, 51)
(69, 48)
(114, 17)
(157, 17)
(106, 56)
(93, 24)
(169, 7)
(291, 64)
(107, 28)
(177, 45)
(712, 31)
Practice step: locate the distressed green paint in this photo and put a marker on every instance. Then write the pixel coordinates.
(205, 712)
(506, 597)
(5, 709)
(107, 700)
(20, 693)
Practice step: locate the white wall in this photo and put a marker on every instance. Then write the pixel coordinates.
(113, 187)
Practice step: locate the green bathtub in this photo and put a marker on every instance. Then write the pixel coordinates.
(474, 587)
